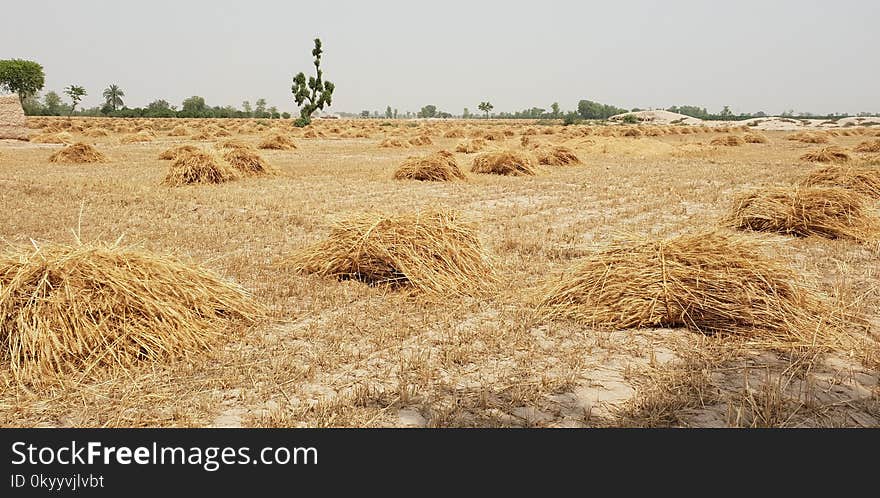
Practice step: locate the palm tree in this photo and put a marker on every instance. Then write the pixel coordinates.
(113, 96)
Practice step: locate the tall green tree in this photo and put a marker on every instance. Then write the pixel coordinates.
(315, 94)
(485, 107)
(53, 104)
(555, 109)
(76, 93)
(429, 111)
(388, 112)
(246, 107)
(113, 97)
(260, 110)
(21, 76)
(193, 107)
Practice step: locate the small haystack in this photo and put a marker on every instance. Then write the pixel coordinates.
(96, 132)
(197, 167)
(556, 155)
(139, 137)
(859, 178)
(437, 167)
(510, 163)
(177, 150)
(248, 162)
(434, 251)
(277, 141)
(52, 138)
(712, 282)
(754, 138)
(393, 143)
(233, 144)
(454, 133)
(421, 140)
(471, 146)
(728, 141)
(178, 131)
(72, 310)
(808, 138)
(829, 212)
(78, 153)
(831, 154)
(869, 146)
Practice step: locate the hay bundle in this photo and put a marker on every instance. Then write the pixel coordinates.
(176, 151)
(831, 154)
(69, 310)
(829, 212)
(78, 153)
(233, 144)
(494, 135)
(631, 132)
(277, 141)
(437, 167)
(454, 133)
(434, 251)
(727, 141)
(556, 155)
(52, 138)
(248, 162)
(393, 143)
(311, 133)
(96, 132)
(869, 146)
(471, 146)
(421, 140)
(863, 179)
(510, 163)
(808, 138)
(139, 137)
(754, 138)
(197, 167)
(178, 131)
(712, 282)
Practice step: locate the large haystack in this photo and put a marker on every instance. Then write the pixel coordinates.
(864, 179)
(13, 123)
(712, 282)
(510, 163)
(434, 251)
(71, 310)
(829, 212)
(197, 167)
(78, 153)
(556, 155)
(437, 167)
(832, 154)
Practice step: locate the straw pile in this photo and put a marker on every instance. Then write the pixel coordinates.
(869, 146)
(233, 144)
(96, 132)
(78, 153)
(178, 131)
(177, 150)
(829, 212)
(808, 138)
(393, 143)
(471, 146)
(556, 155)
(862, 179)
(421, 140)
(510, 163)
(754, 138)
(433, 251)
(277, 142)
(138, 137)
(71, 310)
(454, 133)
(727, 141)
(52, 138)
(712, 282)
(437, 167)
(831, 154)
(197, 167)
(248, 162)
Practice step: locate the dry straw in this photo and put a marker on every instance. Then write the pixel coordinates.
(754, 138)
(176, 151)
(713, 282)
(421, 140)
(197, 167)
(78, 153)
(829, 212)
(434, 251)
(510, 163)
(832, 154)
(393, 143)
(277, 141)
(471, 146)
(809, 138)
(71, 310)
(858, 178)
(728, 141)
(869, 146)
(248, 162)
(437, 167)
(556, 155)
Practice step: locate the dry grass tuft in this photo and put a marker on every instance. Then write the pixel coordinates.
(277, 142)
(858, 178)
(434, 251)
(831, 154)
(437, 167)
(556, 155)
(510, 163)
(197, 167)
(713, 282)
(728, 141)
(176, 151)
(829, 212)
(248, 162)
(72, 310)
(78, 153)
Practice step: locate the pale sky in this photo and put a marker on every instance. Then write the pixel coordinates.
(812, 55)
